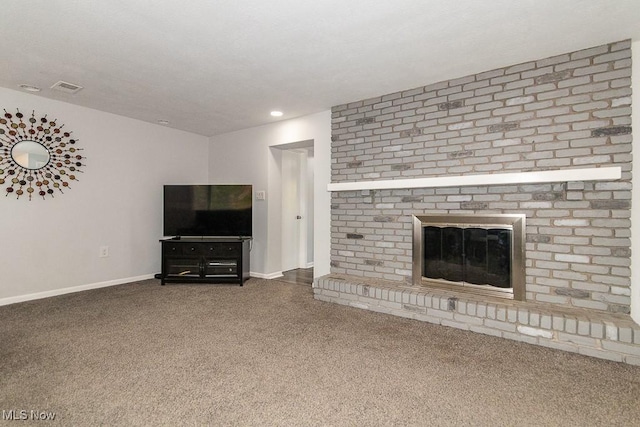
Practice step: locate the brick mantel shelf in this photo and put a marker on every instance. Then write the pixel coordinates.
(560, 175)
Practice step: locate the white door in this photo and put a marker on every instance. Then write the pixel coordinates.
(293, 192)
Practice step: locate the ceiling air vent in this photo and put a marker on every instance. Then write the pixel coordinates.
(66, 87)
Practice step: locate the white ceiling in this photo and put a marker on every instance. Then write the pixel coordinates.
(212, 67)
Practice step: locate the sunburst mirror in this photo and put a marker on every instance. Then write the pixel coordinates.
(37, 157)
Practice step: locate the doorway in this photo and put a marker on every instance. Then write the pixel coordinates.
(297, 206)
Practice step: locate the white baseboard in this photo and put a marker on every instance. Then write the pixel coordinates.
(62, 291)
(267, 276)
(310, 264)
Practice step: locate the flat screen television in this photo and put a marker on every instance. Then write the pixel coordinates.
(208, 210)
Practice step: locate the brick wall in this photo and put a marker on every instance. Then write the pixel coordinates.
(568, 111)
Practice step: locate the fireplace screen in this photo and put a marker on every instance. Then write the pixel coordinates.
(473, 255)
(475, 251)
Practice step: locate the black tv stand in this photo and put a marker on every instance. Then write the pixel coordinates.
(205, 260)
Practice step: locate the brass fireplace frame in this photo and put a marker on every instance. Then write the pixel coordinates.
(516, 222)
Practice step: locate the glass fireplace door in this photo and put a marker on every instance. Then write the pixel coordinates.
(477, 256)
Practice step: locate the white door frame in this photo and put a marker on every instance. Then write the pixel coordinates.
(295, 173)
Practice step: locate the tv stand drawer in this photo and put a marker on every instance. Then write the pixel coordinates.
(223, 249)
(177, 249)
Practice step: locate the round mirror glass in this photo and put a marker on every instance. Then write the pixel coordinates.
(30, 154)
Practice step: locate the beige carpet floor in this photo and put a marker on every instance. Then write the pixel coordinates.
(268, 354)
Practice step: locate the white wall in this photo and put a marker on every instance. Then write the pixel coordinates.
(635, 192)
(245, 157)
(51, 246)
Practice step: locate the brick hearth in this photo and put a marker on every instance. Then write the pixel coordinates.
(606, 336)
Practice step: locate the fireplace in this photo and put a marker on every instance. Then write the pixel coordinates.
(475, 146)
(471, 253)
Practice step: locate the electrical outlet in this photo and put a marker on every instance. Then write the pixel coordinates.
(261, 195)
(104, 251)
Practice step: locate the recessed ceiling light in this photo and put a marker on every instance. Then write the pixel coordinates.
(276, 113)
(163, 122)
(30, 88)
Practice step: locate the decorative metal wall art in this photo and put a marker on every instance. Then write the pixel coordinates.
(36, 156)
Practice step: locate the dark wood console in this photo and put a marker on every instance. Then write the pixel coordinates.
(205, 260)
